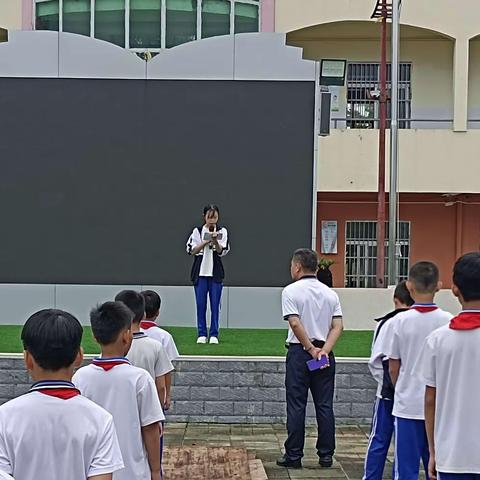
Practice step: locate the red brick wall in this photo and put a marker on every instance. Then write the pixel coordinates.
(439, 233)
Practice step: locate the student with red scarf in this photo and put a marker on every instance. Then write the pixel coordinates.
(449, 366)
(405, 339)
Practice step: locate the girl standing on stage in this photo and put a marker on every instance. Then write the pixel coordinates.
(208, 244)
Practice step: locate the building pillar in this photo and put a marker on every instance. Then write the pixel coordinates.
(267, 16)
(27, 14)
(460, 84)
(459, 227)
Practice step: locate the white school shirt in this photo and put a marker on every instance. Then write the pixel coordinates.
(450, 362)
(45, 438)
(130, 395)
(408, 333)
(314, 303)
(150, 355)
(206, 267)
(165, 338)
(376, 358)
(375, 363)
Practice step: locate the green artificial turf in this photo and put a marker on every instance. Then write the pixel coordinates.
(233, 342)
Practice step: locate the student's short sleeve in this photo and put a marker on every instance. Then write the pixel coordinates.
(337, 309)
(392, 343)
(289, 305)
(379, 346)
(193, 241)
(108, 457)
(224, 242)
(425, 366)
(149, 406)
(171, 349)
(163, 365)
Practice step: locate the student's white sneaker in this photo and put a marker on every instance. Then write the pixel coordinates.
(202, 340)
(213, 341)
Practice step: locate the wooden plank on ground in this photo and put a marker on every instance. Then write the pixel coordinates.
(257, 472)
(208, 463)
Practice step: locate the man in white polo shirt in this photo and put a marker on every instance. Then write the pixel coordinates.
(449, 366)
(315, 323)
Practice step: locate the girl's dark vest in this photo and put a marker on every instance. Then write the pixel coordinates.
(218, 271)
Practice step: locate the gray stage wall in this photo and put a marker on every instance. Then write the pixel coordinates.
(102, 180)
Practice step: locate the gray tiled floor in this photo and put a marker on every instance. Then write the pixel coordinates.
(267, 442)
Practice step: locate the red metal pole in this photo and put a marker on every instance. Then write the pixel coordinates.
(381, 154)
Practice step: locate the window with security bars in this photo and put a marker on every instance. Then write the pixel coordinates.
(361, 253)
(363, 111)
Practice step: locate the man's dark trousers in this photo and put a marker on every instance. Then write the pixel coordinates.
(298, 380)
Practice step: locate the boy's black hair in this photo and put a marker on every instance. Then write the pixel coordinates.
(466, 276)
(424, 276)
(152, 303)
(53, 338)
(210, 208)
(109, 320)
(307, 258)
(134, 301)
(402, 294)
(325, 276)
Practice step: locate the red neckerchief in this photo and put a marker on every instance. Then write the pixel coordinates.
(466, 320)
(108, 363)
(424, 307)
(146, 324)
(56, 388)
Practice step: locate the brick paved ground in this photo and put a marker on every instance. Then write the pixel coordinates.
(266, 441)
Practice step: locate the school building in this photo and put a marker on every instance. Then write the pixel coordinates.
(439, 113)
(439, 141)
(140, 25)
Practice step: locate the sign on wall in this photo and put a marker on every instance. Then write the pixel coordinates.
(329, 236)
(335, 91)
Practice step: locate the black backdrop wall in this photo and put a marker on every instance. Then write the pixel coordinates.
(102, 181)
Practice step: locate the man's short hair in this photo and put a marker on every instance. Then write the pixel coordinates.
(109, 320)
(307, 258)
(424, 277)
(53, 338)
(134, 301)
(466, 276)
(152, 303)
(402, 294)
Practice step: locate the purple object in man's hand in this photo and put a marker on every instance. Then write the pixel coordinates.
(314, 364)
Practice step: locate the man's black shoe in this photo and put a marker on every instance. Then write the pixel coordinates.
(325, 461)
(286, 462)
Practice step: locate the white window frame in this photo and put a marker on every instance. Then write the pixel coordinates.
(127, 24)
